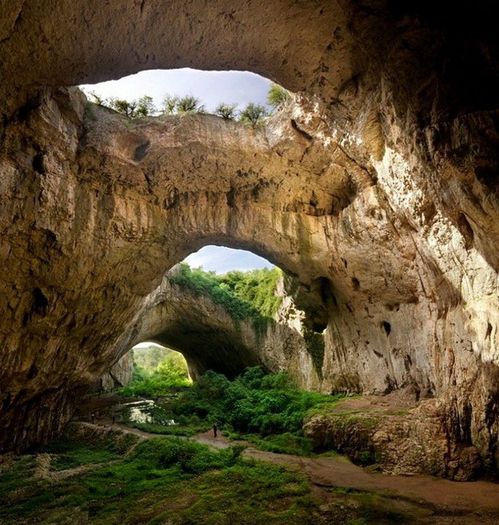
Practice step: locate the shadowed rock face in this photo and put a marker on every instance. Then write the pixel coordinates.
(210, 339)
(377, 188)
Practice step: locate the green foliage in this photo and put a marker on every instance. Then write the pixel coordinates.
(189, 104)
(266, 409)
(145, 106)
(245, 295)
(204, 283)
(186, 430)
(277, 96)
(253, 114)
(173, 104)
(170, 373)
(169, 104)
(71, 455)
(126, 107)
(191, 457)
(138, 108)
(226, 111)
(286, 443)
(256, 287)
(161, 480)
(148, 359)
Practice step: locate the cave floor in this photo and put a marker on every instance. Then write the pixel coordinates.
(338, 472)
(460, 502)
(333, 490)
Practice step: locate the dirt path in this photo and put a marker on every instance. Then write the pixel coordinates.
(338, 471)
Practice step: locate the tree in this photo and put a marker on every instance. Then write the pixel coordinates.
(277, 96)
(145, 106)
(226, 111)
(189, 104)
(253, 114)
(170, 104)
(141, 107)
(123, 106)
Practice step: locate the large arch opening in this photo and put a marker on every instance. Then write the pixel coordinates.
(210, 88)
(367, 192)
(223, 309)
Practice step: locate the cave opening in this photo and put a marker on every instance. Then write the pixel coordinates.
(155, 362)
(381, 180)
(229, 94)
(214, 308)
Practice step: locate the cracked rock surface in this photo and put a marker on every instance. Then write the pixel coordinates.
(376, 188)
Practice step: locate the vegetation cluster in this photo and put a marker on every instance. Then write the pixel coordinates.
(245, 295)
(252, 114)
(161, 480)
(157, 372)
(266, 409)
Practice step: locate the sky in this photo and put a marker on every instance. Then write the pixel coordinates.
(220, 259)
(211, 87)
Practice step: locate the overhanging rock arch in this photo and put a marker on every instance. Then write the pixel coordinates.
(211, 339)
(124, 37)
(386, 191)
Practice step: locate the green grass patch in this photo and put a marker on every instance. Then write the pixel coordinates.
(162, 478)
(82, 455)
(172, 430)
(286, 443)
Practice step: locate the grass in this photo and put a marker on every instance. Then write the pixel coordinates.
(180, 482)
(163, 478)
(286, 443)
(172, 430)
(81, 455)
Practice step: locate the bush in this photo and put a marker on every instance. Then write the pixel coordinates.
(277, 96)
(189, 104)
(189, 456)
(170, 104)
(145, 106)
(141, 107)
(253, 403)
(226, 111)
(266, 409)
(253, 114)
(173, 104)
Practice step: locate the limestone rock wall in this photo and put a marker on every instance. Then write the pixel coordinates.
(377, 189)
(119, 375)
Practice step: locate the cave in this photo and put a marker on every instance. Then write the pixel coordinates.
(213, 335)
(375, 187)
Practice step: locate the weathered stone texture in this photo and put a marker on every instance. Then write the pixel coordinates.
(376, 188)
